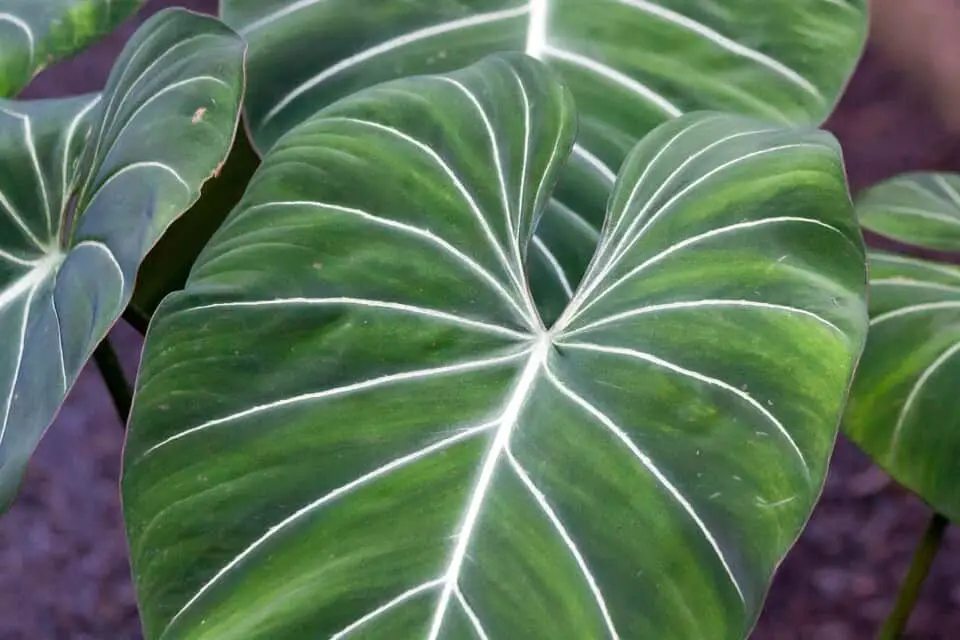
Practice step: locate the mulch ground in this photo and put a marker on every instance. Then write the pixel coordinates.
(63, 566)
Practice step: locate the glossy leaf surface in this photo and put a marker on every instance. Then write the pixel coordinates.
(36, 33)
(87, 185)
(631, 64)
(353, 423)
(903, 410)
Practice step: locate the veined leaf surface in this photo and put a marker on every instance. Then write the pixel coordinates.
(903, 409)
(922, 209)
(631, 64)
(87, 185)
(353, 422)
(36, 33)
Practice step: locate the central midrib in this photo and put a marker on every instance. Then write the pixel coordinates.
(509, 418)
(537, 29)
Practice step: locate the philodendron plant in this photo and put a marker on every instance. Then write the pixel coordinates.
(354, 419)
(536, 320)
(902, 410)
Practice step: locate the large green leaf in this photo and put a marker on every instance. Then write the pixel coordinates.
(353, 423)
(631, 65)
(904, 410)
(87, 185)
(36, 33)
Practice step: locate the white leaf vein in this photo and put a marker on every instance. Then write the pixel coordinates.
(20, 260)
(696, 239)
(651, 468)
(555, 266)
(915, 392)
(516, 268)
(385, 48)
(468, 197)
(435, 314)
(688, 373)
(607, 266)
(605, 172)
(537, 29)
(392, 604)
(568, 542)
(648, 168)
(364, 385)
(920, 213)
(948, 189)
(946, 305)
(129, 120)
(66, 182)
(18, 362)
(701, 304)
(507, 423)
(471, 615)
(331, 496)
(722, 41)
(21, 24)
(471, 264)
(109, 117)
(7, 205)
(912, 262)
(640, 218)
(914, 284)
(56, 317)
(146, 164)
(646, 93)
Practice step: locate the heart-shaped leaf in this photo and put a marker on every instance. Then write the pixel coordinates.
(353, 423)
(631, 65)
(87, 185)
(903, 409)
(37, 33)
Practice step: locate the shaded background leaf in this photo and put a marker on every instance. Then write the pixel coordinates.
(903, 411)
(35, 34)
(89, 185)
(631, 64)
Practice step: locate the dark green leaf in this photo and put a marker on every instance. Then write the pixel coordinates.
(903, 410)
(353, 422)
(87, 186)
(631, 65)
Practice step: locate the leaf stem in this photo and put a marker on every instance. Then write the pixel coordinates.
(116, 381)
(913, 583)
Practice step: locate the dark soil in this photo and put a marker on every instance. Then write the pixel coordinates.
(63, 565)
